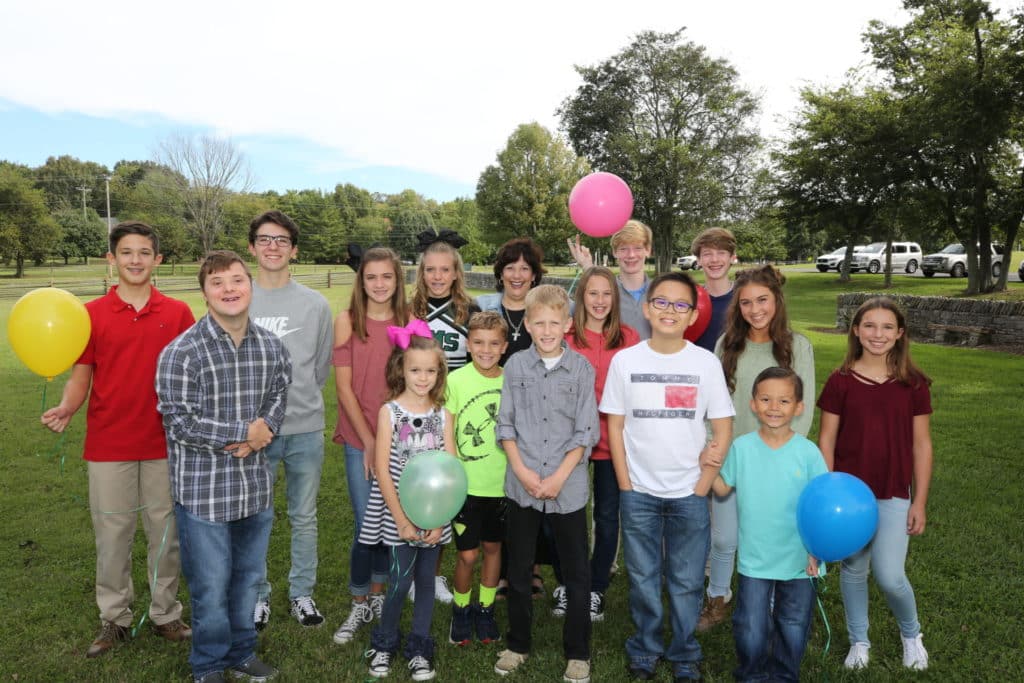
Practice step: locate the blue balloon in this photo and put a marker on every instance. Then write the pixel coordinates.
(837, 515)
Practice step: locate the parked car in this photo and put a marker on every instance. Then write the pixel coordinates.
(906, 256)
(953, 260)
(834, 260)
(688, 262)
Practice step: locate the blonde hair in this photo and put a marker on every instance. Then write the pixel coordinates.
(611, 328)
(714, 238)
(551, 296)
(460, 300)
(631, 233)
(487, 320)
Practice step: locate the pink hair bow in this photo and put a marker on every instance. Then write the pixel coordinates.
(400, 336)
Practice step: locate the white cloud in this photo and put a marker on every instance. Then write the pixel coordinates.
(437, 87)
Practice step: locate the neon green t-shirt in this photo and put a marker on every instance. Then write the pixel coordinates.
(474, 400)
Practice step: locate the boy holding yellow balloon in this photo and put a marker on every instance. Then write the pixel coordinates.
(124, 442)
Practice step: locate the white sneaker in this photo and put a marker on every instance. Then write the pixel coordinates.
(376, 601)
(261, 615)
(305, 612)
(441, 591)
(362, 613)
(914, 655)
(857, 658)
(380, 663)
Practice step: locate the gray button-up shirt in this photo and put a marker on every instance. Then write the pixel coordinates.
(548, 413)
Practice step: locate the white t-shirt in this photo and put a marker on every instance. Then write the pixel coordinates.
(665, 399)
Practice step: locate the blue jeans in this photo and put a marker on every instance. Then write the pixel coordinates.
(368, 563)
(408, 564)
(303, 458)
(222, 562)
(724, 536)
(771, 634)
(606, 524)
(665, 538)
(887, 555)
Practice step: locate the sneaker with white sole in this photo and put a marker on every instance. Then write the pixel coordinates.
(360, 615)
(442, 593)
(305, 612)
(577, 671)
(596, 606)
(376, 601)
(421, 668)
(254, 671)
(508, 661)
(380, 663)
(561, 602)
(914, 655)
(858, 656)
(261, 615)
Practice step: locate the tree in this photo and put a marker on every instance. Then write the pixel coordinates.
(841, 164)
(463, 216)
(82, 236)
(674, 124)
(207, 170)
(526, 193)
(148, 192)
(958, 71)
(26, 228)
(324, 235)
(408, 214)
(62, 179)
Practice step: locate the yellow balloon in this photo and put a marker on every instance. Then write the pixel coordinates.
(48, 329)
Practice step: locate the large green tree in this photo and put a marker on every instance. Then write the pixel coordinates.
(148, 192)
(526, 192)
(81, 236)
(958, 72)
(675, 124)
(66, 180)
(27, 231)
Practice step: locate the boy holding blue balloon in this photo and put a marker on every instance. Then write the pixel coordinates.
(547, 424)
(769, 469)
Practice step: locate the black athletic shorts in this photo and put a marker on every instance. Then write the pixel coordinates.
(480, 520)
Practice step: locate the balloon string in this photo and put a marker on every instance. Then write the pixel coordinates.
(572, 285)
(819, 590)
(58, 448)
(396, 568)
(156, 560)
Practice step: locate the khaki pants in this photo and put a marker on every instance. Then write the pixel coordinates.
(118, 493)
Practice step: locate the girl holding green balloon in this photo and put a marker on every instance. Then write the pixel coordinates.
(417, 423)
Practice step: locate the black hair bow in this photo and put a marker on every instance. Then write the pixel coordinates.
(428, 237)
(355, 255)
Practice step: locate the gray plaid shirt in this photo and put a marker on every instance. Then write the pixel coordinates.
(208, 392)
(548, 413)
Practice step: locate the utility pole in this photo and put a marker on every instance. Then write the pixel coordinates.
(84, 190)
(110, 268)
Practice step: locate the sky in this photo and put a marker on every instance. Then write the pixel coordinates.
(383, 95)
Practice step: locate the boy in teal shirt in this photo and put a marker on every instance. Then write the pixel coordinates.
(769, 469)
(474, 396)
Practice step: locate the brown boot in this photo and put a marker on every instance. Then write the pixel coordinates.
(174, 631)
(110, 634)
(716, 610)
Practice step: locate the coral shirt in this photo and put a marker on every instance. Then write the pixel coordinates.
(601, 359)
(122, 422)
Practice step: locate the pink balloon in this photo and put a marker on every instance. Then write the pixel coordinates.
(600, 204)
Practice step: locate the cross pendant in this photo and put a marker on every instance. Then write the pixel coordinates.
(515, 336)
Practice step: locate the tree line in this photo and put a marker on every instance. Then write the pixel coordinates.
(926, 144)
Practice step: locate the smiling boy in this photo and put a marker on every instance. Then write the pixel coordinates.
(715, 249)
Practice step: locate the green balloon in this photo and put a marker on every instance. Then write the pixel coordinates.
(432, 488)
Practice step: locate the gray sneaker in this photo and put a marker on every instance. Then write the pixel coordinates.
(254, 671)
(360, 614)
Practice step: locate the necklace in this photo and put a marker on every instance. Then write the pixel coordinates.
(515, 328)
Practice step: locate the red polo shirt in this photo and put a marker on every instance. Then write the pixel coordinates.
(122, 422)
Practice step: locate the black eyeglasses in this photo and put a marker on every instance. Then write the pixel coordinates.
(280, 240)
(677, 306)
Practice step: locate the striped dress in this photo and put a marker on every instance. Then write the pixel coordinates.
(451, 336)
(411, 433)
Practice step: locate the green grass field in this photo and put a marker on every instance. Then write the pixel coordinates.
(965, 568)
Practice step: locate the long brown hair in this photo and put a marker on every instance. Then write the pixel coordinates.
(358, 303)
(611, 329)
(395, 369)
(734, 340)
(460, 300)
(898, 360)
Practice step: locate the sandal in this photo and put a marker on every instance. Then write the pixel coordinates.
(537, 587)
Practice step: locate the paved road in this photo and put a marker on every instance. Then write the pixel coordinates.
(1012, 277)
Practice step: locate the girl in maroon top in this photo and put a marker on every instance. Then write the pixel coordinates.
(598, 335)
(361, 352)
(875, 425)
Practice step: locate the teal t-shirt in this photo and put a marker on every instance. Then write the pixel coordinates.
(768, 484)
(474, 401)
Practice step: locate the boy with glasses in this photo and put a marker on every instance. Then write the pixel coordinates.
(657, 396)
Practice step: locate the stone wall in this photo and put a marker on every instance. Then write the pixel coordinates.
(944, 320)
(483, 279)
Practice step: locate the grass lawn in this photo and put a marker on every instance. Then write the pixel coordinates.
(965, 568)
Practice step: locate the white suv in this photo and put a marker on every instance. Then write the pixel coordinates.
(953, 260)
(906, 256)
(834, 260)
